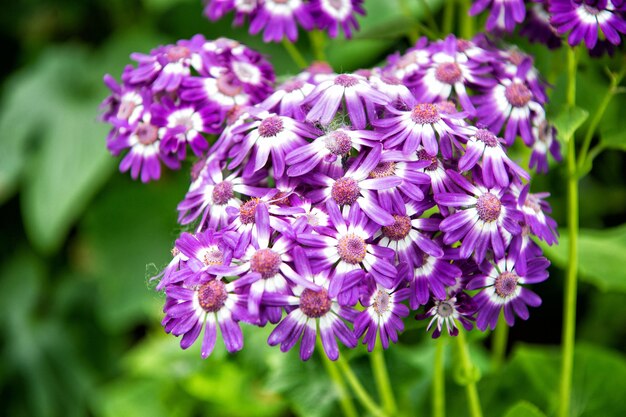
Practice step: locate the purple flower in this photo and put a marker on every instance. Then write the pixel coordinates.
(208, 303)
(315, 310)
(427, 275)
(583, 19)
(537, 27)
(503, 15)
(330, 94)
(482, 212)
(545, 141)
(503, 287)
(287, 99)
(457, 307)
(332, 15)
(278, 18)
(535, 210)
(382, 316)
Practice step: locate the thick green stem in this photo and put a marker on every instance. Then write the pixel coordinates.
(318, 43)
(571, 283)
(360, 392)
(466, 22)
(448, 16)
(293, 52)
(597, 117)
(381, 376)
(469, 373)
(499, 341)
(430, 19)
(439, 381)
(408, 13)
(345, 401)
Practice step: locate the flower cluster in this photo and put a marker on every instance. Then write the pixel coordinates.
(279, 19)
(175, 96)
(342, 202)
(600, 24)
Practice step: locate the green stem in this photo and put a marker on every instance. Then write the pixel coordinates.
(439, 382)
(318, 42)
(360, 392)
(381, 376)
(294, 53)
(597, 117)
(345, 401)
(408, 13)
(569, 307)
(499, 341)
(448, 16)
(469, 372)
(466, 22)
(430, 19)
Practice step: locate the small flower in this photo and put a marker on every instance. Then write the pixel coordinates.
(332, 15)
(457, 307)
(545, 141)
(503, 15)
(537, 27)
(278, 19)
(287, 99)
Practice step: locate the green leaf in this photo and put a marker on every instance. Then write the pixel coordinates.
(613, 139)
(601, 256)
(524, 409)
(569, 120)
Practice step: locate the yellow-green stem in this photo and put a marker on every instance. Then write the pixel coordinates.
(466, 22)
(294, 53)
(381, 376)
(408, 13)
(499, 341)
(318, 43)
(345, 401)
(469, 372)
(439, 381)
(360, 392)
(448, 16)
(571, 282)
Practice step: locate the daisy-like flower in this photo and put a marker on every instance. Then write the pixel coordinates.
(268, 134)
(450, 70)
(333, 15)
(412, 61)
(345, 248)
(486, 146)
(503, 14)
(184, 124)
(354, 89)
(287, 98)
(407, 130)
(382, 316)
(210, 198)
(312, 310)
(537, 27)
(536, 210)
(481, 213)
(202, 251)
(277, 19)
(168, 275)
(429, 274)
(439, 180)
(393, 87)
(356, 187)
(207, 304)
(545, 141)
(503, 287)
(223, 89)
(458, 307)
(583, 19)
(329, 148)
(512, 102)
(252, 70)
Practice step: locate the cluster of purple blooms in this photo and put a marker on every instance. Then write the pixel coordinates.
(600, 24)
(340, 203)
(279, 19)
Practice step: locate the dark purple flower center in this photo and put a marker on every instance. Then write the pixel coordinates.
(399, 229)
(425, 113)
(517, 94)
(293, 85)
(315, 304)
(247, 211)
(265, 262)
(383, 169)
(126, 109)
(212, 296)
(227, 85)
(381, 303)
(532, 203)
(345, 80)
(516, 57)
(593, 11)
(447, 107)
(271, 126)
(345, 191)
(338, 143)
(506, 284)
(390, 79)
(176, 53)
(320, 67)
(147, 133)
(487, 137)
(448, 72)
(222, 192)
(336, 4)
(422, 155)
(444, 308)
(213, 256)
(352, 249)
(488, 207)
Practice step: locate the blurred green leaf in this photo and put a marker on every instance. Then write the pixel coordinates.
(601, 253)
(524, 409)
(613, 139)
(163, 5)
(569, 120)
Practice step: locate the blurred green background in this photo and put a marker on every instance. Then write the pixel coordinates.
(81, 331)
